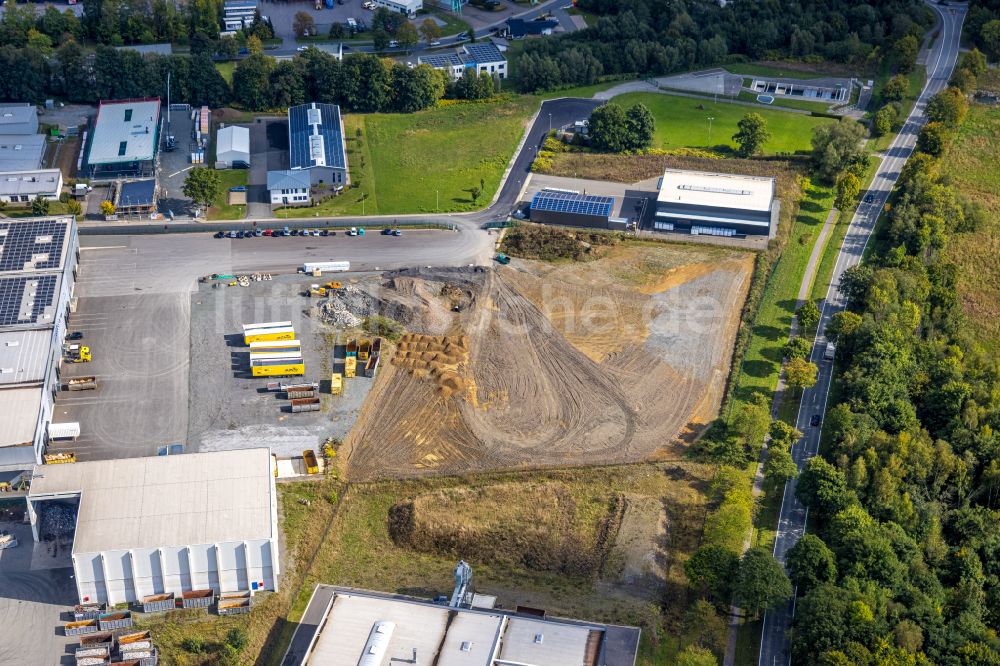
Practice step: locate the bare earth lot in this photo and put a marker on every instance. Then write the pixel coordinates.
(611, 361)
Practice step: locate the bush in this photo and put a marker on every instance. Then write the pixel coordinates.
(236, 638)
(193, 644)
(547, 243)
(390, 329)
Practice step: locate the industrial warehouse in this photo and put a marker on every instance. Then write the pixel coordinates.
(389, 629)
(125, 140)
(38, 259)
(165, 525)
(570, 208)
(316, 143)
(716, 204)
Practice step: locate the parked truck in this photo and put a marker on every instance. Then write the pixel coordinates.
(82, 384)
(76, 353)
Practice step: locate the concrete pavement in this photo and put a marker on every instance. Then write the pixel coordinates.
(775, 643)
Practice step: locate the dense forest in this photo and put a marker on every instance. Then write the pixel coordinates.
(982, 27)
(652, 37)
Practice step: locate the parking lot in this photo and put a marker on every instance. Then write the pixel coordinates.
(268, 152)
(282, 14)
(175, 165)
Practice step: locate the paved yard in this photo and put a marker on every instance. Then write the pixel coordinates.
(175, 165)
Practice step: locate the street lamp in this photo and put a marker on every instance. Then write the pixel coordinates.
(550, 123)
(710, 119)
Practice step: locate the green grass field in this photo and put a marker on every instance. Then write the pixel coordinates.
(681, 124)
(971, 162)
(226, 69)
(222, 210)
(755, 69)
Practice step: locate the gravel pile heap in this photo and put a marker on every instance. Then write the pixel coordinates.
(56, 521)
(347, 307)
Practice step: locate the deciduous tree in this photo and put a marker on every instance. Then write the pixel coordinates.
(800, 373)
(751, 136)
(303, 24)
(848, 189)
(797, 348)
(808, 315)
(201, 186)
(810, 562)
(761, 583)
(430, 30)
(933, 139)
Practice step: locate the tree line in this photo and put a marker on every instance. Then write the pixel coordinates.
(653, 37)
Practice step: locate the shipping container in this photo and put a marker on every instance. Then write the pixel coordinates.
(364, 349)
(81, 627)
(98, 640)
(64, 430)
(336, 383)
(92, 651)
(115, 620)
(276, 356)
(82, 384)
(156, 603)
(233, 606)
(309, 459)
(197, 598)
(295, 395)
(87, 611)
(350, 366)
(300, 405)
(298, 386)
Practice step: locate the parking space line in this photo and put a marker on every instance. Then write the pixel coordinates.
(178, 172)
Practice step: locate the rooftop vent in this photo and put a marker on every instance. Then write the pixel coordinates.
(466, 646)
(539, 638)
(714, 190)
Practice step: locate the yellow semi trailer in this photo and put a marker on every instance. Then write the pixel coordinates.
(277, 367)
(269, 334)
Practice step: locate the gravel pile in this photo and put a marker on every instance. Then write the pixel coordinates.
(347, 307)
(56, 521)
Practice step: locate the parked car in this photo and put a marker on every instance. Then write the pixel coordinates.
(240, 234)
(301, 49)
(436, 42)
(397, 232)
(393, 44)
(268, 232)
(294, 232)
(324, 233)
(75, 335)
(220, 234)
(386, 231)
(232, 234)
(815, 420)
(869, 198)
(353, 231)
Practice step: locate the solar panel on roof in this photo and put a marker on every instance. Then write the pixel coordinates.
(35, 245)
(23, 300)
(484, 52)
(579, 204)
(301, 129)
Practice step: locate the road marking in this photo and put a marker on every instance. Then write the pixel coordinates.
(87, 248)
(178, 172)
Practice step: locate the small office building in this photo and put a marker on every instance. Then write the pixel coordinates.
(716, 204)
(24, 186)
(574, 210)
(289, 188)
(238, 14)
(135, 197)
(167, 524)
(316, 143)
(407, 7)
(18, 119)
(232, 148)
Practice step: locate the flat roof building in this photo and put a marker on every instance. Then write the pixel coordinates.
(23, 186)
(165, 524)
(289, 188)
(125, 139)
(232, 147)
(18, 119)
(135, 197)
(350, 627)
(316, 143)
(21, 152)
(37, 264)
(716, 204)
(406, 7)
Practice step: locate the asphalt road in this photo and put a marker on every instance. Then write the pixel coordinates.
(775, 645)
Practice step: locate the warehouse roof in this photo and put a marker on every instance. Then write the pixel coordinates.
(567, 202)
(30, 183)
(288, 180)
(23, 356)
(315, 136)
(233, 138)
(193, 498)
(449, 636)
(716, 190)
(440, 60)
(483, 52)
(125, 131)
(21, 152)
(137, 193)
(33, 245)
(17, 115)
(18, 415)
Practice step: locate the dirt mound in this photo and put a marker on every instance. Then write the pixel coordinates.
(540, 526)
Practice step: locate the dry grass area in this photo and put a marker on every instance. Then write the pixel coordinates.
(615, 360)
(638, 523)
(971, 163)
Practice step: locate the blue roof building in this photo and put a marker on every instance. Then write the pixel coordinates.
(563, 207)
(316, 143)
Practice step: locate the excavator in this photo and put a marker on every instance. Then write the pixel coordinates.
(320, 290)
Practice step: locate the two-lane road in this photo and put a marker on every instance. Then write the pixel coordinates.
(775, 641)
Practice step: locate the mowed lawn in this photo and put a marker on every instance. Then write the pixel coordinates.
(221, 210)
(680, 123)
(428, 161)
(971, 163)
